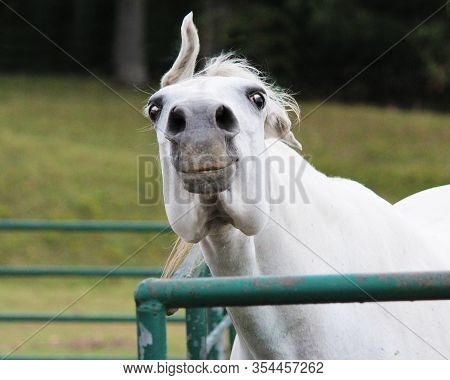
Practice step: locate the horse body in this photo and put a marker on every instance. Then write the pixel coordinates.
(343, 228)
(346, 228)
(255, 217)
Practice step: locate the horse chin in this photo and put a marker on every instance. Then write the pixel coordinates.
(208, 181)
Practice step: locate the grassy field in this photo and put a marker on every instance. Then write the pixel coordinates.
(68, 150)
(50, 295)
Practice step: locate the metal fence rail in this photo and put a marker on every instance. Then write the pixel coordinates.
(82, 225)
(87, 318)
(68, 357)
(216, 320)
(17, 225)
(79, 271)
(153, 297)
(31, 317)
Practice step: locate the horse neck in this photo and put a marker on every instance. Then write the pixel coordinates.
(337, 224)
(347, 226)
(230, 253)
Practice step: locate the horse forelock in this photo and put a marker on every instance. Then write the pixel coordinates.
(284, 110)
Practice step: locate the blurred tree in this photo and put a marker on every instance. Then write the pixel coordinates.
(83, 30)
(313, 46)
(211, 25)
(163, 23)
(128, 56)
(317, 46)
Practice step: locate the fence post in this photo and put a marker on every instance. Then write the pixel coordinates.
(151, 326)
(216, 314)
(196, 331)
(197, 324)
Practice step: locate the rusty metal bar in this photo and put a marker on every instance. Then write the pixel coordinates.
(273, 290)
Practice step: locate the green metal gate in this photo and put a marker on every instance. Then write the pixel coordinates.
(197, 321)
(205, 298)
(68, 227)
(154, 297)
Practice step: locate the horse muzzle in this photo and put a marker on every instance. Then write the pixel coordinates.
(205, 165)
(202, 148)
(209, 181)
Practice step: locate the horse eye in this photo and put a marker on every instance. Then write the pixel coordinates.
(258, 99)
(153, 112)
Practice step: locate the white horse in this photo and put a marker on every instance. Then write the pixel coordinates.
(252, 216)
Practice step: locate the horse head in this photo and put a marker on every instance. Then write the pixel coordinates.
(212, 128)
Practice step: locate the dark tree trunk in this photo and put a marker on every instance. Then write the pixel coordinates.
(212, 32)
(129, 57)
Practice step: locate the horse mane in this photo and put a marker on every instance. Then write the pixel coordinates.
(178, 253)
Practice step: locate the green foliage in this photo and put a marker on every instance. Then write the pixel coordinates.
(310, 46)
(317, 46)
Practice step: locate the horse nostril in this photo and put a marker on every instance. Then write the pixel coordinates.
(226, 120)
(177, 121)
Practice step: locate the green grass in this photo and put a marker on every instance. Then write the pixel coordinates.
(68, 150)
(51, 295)
(394, 152)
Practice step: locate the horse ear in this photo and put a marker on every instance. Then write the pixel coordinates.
(184, 65)
(278, 125)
